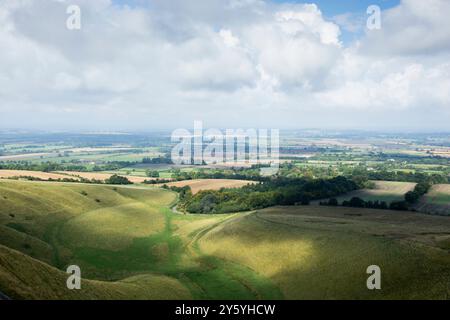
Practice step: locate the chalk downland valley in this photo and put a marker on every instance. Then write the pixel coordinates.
(148, 229)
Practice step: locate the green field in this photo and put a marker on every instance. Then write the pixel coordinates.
(97, 156)
(436, 201)
(68, 154)
(439, 194)
(117, 235)
(322, 253)
(165, 170)
(130, 245)
(382, 191)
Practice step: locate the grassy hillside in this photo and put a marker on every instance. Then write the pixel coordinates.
(65, 216)
(322, 253)
(118, 234)
(129, 244)
(22, 277)
(51, 221)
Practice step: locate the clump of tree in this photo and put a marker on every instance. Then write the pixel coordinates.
(157, 181)
(152, 173)
(357, 202)
(73, 165)
(252, 173)
(399, 205)
(25, 165)
(109, 166)
(402, 176)
(184, 194)
(67, 180)
(116, 179)
(330, 202)
(166, 159)
(278, 191)
(420, 189)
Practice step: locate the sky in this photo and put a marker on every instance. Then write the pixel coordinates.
(143, 65)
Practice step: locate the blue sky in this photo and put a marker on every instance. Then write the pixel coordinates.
(329, 7)
(355, 9)
(334, 7)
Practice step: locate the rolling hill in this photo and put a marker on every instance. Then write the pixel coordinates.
(130, 245)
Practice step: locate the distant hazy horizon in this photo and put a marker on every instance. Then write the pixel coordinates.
(304, 131)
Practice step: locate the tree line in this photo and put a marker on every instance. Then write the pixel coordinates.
(277, 191)
(54, 166)
(114, 179)
(410, 198)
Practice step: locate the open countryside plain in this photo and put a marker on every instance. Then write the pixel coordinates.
(130, 245)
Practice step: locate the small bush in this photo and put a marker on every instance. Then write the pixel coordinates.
(399, 205)
(357, 202)
(333, 202)
(412, 196)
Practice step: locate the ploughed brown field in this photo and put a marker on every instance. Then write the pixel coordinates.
(35, 174)
(210, 184)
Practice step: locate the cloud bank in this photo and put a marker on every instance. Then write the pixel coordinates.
(162, 64)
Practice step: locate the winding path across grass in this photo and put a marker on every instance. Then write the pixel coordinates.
(238, 281)
(163, 251)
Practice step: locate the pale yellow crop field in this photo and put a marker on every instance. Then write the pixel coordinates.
(35, 174)
(210, 184)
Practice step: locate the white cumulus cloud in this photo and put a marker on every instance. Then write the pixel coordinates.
(240, 62)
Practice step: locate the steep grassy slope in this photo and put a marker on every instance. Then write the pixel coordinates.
(129, 244)
(323, 253)
(51, 222)
(67, 216)
(22, 277)
(124, 235)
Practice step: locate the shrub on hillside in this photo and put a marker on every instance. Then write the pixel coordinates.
(399, 205)
(115, 179)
